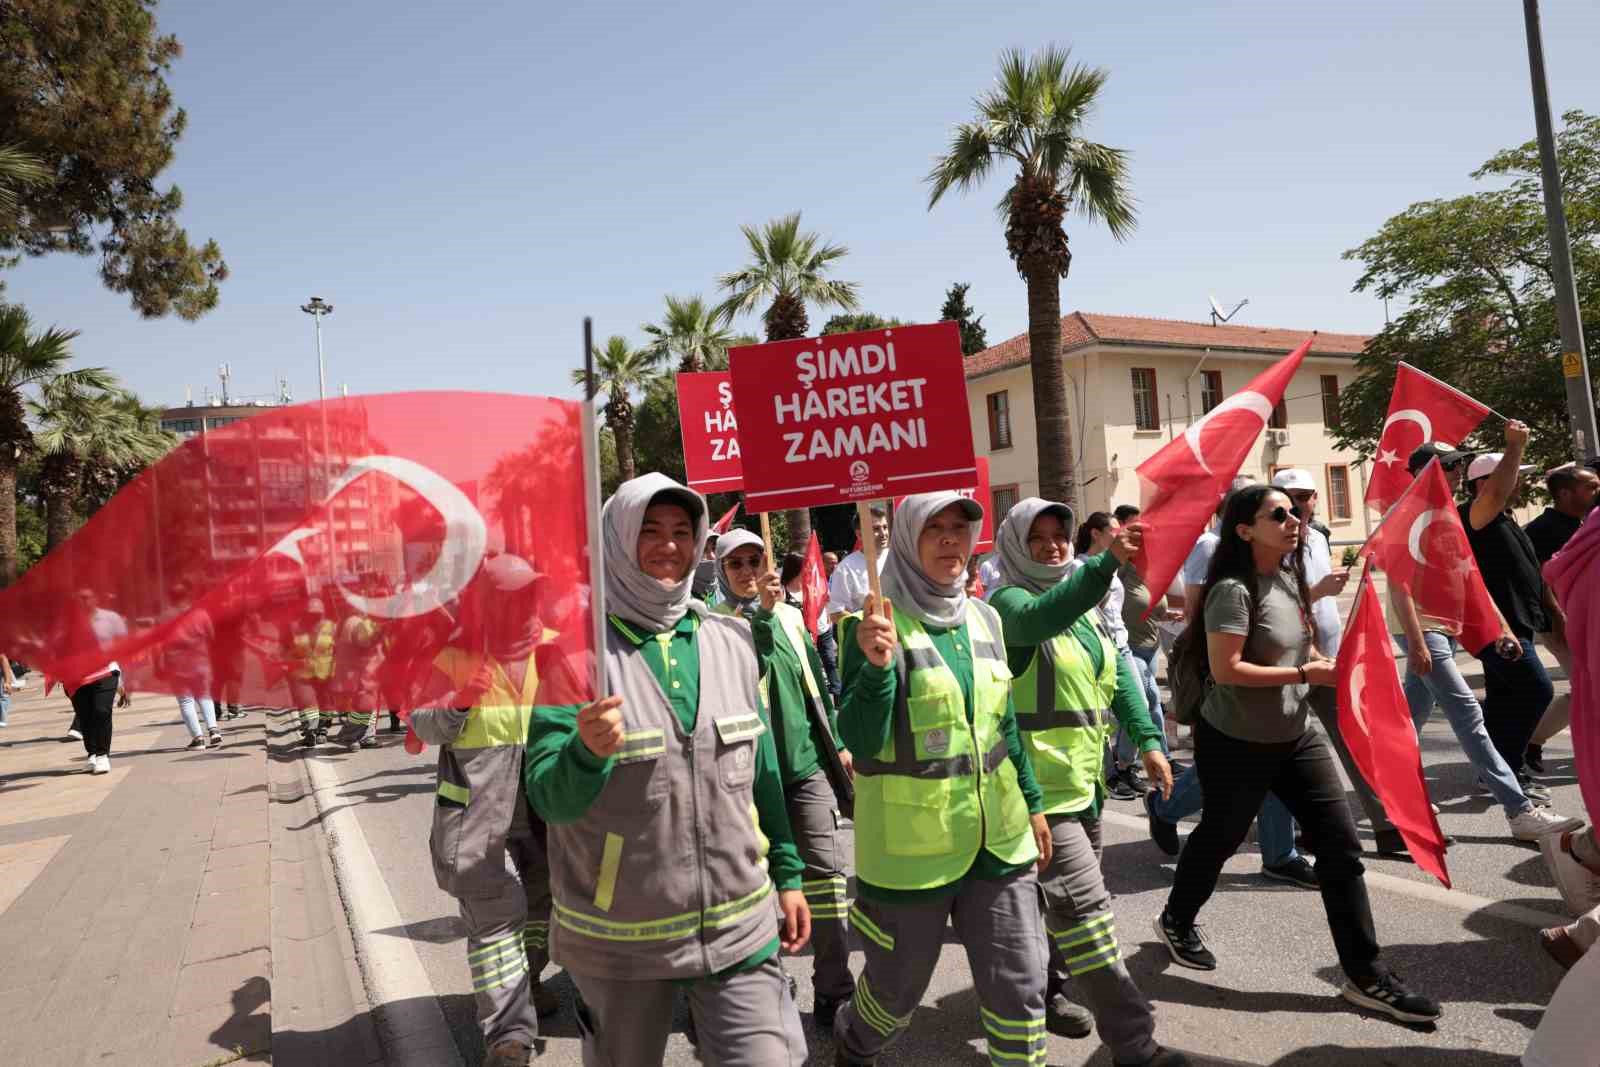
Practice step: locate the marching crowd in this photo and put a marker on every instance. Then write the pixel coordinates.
(971, 720)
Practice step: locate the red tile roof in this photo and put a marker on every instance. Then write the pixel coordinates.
(1083, 328)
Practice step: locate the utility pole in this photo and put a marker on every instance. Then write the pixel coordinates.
(316, 308)
(1574, 359)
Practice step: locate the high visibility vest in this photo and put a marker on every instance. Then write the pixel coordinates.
(941, 788)
(501, 715)
(313, 652)
(1064, 713)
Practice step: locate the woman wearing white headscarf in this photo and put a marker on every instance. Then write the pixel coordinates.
(666, 812)
(1070, 689)
(948, 823)
(800, 709)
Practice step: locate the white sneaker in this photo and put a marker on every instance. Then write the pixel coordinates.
(1580, 886)
(102, 764)
(74, 735)
(1535, 823)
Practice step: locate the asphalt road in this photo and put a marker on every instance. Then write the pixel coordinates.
(1273, 999)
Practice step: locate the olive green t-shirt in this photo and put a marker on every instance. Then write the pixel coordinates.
(1281, 637)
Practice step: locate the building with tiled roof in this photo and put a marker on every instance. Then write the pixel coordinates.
(1135, 383)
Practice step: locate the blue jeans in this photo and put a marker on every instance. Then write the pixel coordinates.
(1516, 693)
(1445, 686)
(5, 706)
(1144, 668)
(186, 708)
(1274, 824)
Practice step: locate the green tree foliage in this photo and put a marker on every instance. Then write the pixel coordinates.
(83, 89)
(1473, 273)
(623, 372)
(1033, 118)
(854, 322)
(692, 334)
(956, 309)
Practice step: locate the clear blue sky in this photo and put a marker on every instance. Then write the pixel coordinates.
(464, 182)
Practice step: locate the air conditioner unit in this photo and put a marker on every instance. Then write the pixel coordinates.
(1277, 438)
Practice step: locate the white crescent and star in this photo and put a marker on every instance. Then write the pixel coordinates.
(1419, 526)
(1415, 415)
(1358, 682)
(466, 538)
(1248, 400)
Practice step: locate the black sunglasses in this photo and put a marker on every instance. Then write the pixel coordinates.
(735, 564)
(1280, 514)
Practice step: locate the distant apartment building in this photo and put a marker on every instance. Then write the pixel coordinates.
(1134, 384)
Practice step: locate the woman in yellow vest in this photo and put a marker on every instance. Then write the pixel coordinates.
(949, 822)
(1071, 690)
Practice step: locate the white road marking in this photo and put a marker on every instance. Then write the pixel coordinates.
(410, 1023)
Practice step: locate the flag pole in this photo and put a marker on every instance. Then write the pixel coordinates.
(869, 546)
(766, 538)
(591, 484)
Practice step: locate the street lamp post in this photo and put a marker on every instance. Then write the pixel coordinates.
(1574, 360)
(316, 308)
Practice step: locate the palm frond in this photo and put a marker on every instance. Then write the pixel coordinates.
(968, 162)
(1097, 185)
(19, 169)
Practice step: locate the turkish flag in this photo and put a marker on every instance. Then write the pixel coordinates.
(1422, 547)
(813, 584)
(724, 524)
(1421, 409)
(1181, 484)
(1376, 726)
(398, 528)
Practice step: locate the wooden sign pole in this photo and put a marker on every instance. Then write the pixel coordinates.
(869, 545)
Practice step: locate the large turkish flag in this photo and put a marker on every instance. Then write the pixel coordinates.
(395, 526)
(1181, 485)
(1421, 409)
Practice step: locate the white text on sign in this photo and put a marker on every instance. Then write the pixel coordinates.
(851, 401)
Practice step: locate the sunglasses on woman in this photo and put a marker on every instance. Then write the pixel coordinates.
(736, 564)
(1280, 514)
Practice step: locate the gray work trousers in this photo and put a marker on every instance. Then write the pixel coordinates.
(1324, 701)
(814, 818)
(1082, 936)
(744, 1020)
(508, 938)
(998, 924)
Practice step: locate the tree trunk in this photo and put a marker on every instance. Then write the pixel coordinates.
(58, 519)
(8, 520)
(623, 440)
(1050, 411)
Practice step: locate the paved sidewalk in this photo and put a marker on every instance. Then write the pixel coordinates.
(134, 906)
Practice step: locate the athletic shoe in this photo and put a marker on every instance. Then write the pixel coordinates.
(1135, 780)
(509, 1053)
(1117, 789)
(1533, 759)
(1578, 882)
(1188, 948)
(1162, 832)
(1534, 791)
(322, 735)
(216, 740)
(1390, 845)
(1388, 994)
(1560, 946)
(1067, 1019)
(72, 735)
(196, 742)
(1295, 872)
(308, 738)
(823, 1010)
(1164, 1057)
(369, 742)
(1539, 822)
(395, 725)
(545, 1002)
(99, 764)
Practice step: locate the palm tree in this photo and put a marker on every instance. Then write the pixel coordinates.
(18, 170)
(786, 271)
(27, 359)
(693, 333)
(1034, 117)
(622, 371)
(140, 441)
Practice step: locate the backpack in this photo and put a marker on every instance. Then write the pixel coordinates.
(1190, 676)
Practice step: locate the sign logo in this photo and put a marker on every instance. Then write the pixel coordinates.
(859, 471)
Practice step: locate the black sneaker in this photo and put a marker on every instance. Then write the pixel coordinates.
(1188, 948)
(216, 740)
(823, 1010)
(1388, 994)
(1295, 872)
(1533, 759)
(1117, 789)
(196, 742)
(1064, 1017)
(1162, 832)
(308, 738)
(1135, 780)
(395, 725)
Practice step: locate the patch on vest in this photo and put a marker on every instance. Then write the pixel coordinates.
(936, 742)
(741, 758)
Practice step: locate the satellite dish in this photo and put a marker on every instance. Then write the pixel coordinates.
(1218, 315)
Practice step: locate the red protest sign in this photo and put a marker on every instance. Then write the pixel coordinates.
(853, 416)
(979, 491)
(710, 432)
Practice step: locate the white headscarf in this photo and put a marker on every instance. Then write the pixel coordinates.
(632, 594)
(936, 603)
(725, 548)
(1017, 565)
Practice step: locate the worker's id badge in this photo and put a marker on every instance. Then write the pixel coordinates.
(936, 742)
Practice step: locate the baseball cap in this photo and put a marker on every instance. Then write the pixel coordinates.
(1483, 465)
(1294, 478)
(1448, 457)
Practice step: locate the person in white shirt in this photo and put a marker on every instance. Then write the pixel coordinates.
(848, 588)
(989, 573)
(94, 694)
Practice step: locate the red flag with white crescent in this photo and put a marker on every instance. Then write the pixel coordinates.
(1421, 409)
(1422, 548)
(1183, 482)
(1375, 723)
(414, 535)
(724, 524)
(813, 584)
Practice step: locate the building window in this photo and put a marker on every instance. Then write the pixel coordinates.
(181, 425)
(1146, 412)
(1210, 390)
(1338, 491)
(1002, 498)
(1280, 417)
(999, 405)
(1330, 401)
(219, 421)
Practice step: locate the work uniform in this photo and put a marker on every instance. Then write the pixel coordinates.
(942, 834)
(488, 848)
(1071, 691)
(660, 853)
(358, 652)
(799, 707)
(311, 656)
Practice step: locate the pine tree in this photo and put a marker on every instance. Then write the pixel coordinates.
(956, 309)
